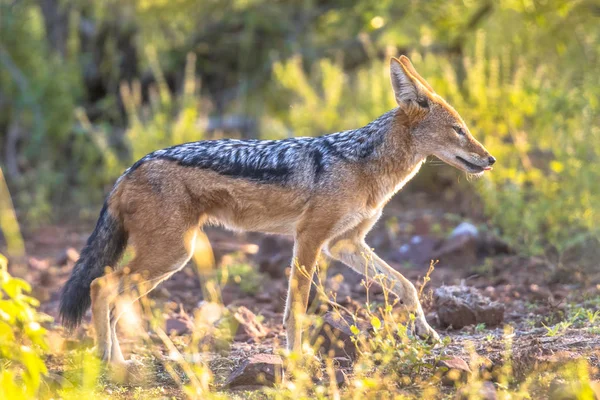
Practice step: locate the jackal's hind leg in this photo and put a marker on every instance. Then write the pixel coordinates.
(103, 292)
(156, 259)
(135, 290)
(306, 251)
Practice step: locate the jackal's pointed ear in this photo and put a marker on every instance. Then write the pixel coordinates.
(406, 87)
(406, 62)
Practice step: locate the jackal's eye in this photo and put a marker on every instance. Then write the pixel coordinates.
(458, 129)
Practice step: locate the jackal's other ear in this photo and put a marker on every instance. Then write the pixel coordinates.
(406, 87)
(406, 62)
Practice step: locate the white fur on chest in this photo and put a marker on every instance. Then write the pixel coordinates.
(395, 187)
(407, 178)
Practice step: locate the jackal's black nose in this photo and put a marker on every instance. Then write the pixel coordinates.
(491, 160)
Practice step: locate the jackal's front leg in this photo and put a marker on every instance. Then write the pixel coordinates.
(360, 257)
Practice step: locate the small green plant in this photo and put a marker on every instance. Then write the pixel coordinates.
(487, 268)
(22, 338)
(242, 274)
(595, 330)
(592, 316)
(557, 329)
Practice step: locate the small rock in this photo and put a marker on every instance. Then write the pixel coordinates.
(540, 293)
(417, 252)
(456, 370)
(491, 245)
(68, 255)
(248, 326)
(37, 264)
(457, 249)
(465, 228)
(177, 327)
(480, 391)
(459, 306)
(263, 297)
(258, 370)
(339, 378)
(334, 337)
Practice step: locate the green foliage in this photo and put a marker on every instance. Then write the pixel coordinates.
(526, 86)
(71, 122)
(22, 338)
(166, 120)
(236, 270)
(9, 226)
(38, 95)
(539, 120)
(329, 100)
(544, 193)
(244, 275)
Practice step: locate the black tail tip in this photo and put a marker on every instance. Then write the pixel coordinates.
(72, 310)
(70, 323)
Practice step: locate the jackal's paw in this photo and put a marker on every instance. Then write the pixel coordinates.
(426, 332)
(128, 372)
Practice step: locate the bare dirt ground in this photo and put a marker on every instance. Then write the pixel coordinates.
(541, 298)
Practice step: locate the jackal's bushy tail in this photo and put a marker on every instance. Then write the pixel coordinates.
(104, 248)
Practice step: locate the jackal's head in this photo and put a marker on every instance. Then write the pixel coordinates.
(436, 127)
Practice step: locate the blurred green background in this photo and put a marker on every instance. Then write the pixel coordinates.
(88, 87)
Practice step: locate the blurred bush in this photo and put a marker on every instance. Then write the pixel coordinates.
(36, 103)
(541, 125)
(545, 191)
(539, 117)
(86, 88)
(165, 120)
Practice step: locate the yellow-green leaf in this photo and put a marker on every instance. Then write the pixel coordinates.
(376, 323)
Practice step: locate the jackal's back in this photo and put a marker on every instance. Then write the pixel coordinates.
(281, 162)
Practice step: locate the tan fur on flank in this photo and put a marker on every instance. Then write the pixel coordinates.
(327, 192)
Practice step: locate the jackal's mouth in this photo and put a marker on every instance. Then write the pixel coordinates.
(473, 168)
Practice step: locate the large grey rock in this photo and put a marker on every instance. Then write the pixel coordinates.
(460, 306)
(334, 337)
(258, 370)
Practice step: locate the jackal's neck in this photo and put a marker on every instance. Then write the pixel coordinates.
(397, 159)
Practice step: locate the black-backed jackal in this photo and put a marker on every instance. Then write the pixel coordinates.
(326, 191)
